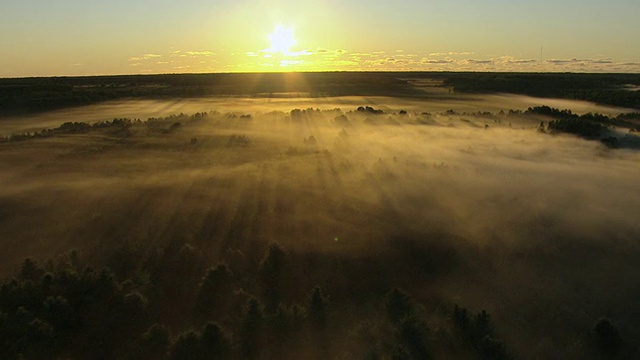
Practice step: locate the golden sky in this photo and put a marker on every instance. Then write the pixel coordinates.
(90, 37)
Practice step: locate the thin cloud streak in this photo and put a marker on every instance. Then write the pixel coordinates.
(326, 59)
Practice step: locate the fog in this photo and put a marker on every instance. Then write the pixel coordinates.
(143, 109)
(511, 211)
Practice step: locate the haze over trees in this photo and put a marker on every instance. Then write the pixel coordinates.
(366, 231)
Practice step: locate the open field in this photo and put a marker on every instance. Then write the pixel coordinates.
(451, 198)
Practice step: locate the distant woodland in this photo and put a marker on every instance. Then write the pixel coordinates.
(608, 89)
(28, 95)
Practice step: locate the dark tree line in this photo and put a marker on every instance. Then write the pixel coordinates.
(65, 309)
(29, 95)
(606, 89)
(32, 95)
(589, 126)
(147, 302)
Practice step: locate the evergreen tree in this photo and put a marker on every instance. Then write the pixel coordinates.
(398, 305)
(608, 339)
(318, 304)
(272, 275)
(251, 331)
(155, 342)
(215, 342)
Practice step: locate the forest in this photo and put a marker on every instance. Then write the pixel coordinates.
(610, 89)
(362, 232)
(28, 95)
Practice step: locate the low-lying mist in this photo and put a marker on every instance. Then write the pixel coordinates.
(143, 109)
(540, 230)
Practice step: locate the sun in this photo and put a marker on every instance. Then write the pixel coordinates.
(281, 40)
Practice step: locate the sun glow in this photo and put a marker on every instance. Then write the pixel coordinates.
(281, 40)
(285, 54)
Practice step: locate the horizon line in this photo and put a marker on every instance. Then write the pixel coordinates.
(320, 72)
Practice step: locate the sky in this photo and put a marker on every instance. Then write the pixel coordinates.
(91, 37)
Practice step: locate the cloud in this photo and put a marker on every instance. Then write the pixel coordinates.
(432, 61)
(199, 53)
(390, 60)
(374, 55)
(326, 53)
(580, 61)
(173, 60)
(558, 61)
(145, 57)
(476, 61)
(529, 61)
(510, 60)
(451, 53)
(300, 53)
(601, 62)
(319, 58)
(565, 61)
